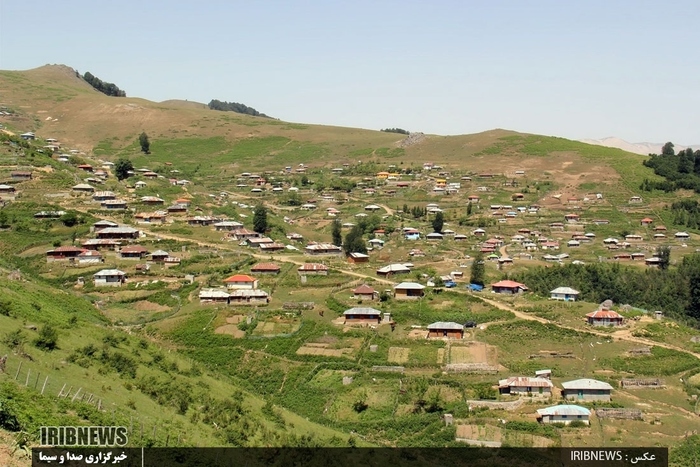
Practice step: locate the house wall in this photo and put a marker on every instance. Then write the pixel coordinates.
(110, 282)
(439, 333)
(242, 285)
(565, 419)
(364, 296)
(535, 392)
(563, 296)
(407, 294)
(604, 322)
(588, 395)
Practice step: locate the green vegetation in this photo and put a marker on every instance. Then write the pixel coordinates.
(396, 130)
(145, 143)
(235, 107)
(110, 89)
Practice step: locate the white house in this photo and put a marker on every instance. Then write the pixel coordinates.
(566, 294)
(109, 277)
(564, 414)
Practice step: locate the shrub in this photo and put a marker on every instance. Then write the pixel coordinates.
(48, 338)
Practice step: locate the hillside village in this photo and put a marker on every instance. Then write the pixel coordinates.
(423, 323)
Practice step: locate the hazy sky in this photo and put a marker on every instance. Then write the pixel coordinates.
(585, 69)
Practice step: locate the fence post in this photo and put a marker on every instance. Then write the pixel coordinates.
(37, 380)
(60, 393)
(18, 368)
(76, 394)
(29, 371)
(44, 386)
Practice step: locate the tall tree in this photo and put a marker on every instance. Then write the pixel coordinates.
(438, 222)
(260, 219)
(145, 143)
(336, 234)
(667, 149)
(664, 255)
(478, 270)
(122, 168)
(354, 243)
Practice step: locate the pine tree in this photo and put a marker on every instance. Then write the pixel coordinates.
(336, 234)
(478, 270)
(260, 219)
(145, 143)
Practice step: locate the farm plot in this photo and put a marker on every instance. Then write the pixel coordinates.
(231, 327)
(398, 354)
(477, 352)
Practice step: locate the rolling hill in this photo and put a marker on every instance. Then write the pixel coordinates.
(289, 370)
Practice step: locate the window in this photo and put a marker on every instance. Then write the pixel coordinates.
(563, 416)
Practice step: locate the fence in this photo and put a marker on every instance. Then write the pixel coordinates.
(620, 414)
(25, 374)
(471, 368)
(652, 383)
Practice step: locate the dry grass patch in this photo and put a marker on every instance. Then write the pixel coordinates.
(398, 354)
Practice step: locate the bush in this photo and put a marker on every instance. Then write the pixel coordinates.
(48, 338)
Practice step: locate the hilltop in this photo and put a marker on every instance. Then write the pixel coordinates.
(203, 297)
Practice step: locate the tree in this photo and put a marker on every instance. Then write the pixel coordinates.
(69, 219)
(145, 143)
(667, 149)
(260, 219)
(48, 338)
(336, 234)
(469, 209)
(478, 271)
(122, 168)
(664, 255)
(354, 243)
(438, 222)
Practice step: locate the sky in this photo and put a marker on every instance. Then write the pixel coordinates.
(587, 69)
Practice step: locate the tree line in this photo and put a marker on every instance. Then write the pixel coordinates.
(235, 107)
(680, 171)
(396, 130)
(675, 290)
(110, 89)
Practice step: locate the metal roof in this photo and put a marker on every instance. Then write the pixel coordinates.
(525, 381)
(565, 409)
(409, 285)
(445, 325)
(362, 311)
(587, 383)
(110, 272)
(565, 290)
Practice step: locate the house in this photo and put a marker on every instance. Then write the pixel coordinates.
(99, 225)
(213, 296)
(573, 243)
(586, 389)
(362, 315)
(158, 217)
(159, 256)
(646, 222)
(390, 269)
(202, 220)
(83, 188)
(566, 294)
(116, 233)
(97, 244)
(243, 234)
(114, 204)
(227, 225)
(104, 195)
(258, 242)
(90, 257)
(28, 136)
(85, 167)
(140, 184)
(682, 235)
(443, 329)
(133, 252)
(63, 253)
(564, 414)
(322, 249)
(152, 200)
(411, 234)
(21, 175)
(313, 269)
(408, 291)
(376, 242)
(355, 258)
(434, 236)
(170, 261)
(274, 246)
(109, 277)
(365, 292)
(479, 233)
(248, 296)
(572, 218)
(635, 199)
(525, 386)
(265, 268)
(49, 214)
(241, 281)
(176, 209)
(634, 238)
(603, 317)
(508, 287)
(653, 262)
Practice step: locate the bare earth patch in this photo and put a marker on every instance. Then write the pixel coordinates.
(475, 353)
(418, 334)
(320, 349)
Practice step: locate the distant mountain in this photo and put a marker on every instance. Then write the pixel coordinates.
(637, 148)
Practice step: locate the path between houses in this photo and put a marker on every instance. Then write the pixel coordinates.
(621, 335)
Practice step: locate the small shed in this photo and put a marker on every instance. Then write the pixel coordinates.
(564, 414)
(362, 315)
